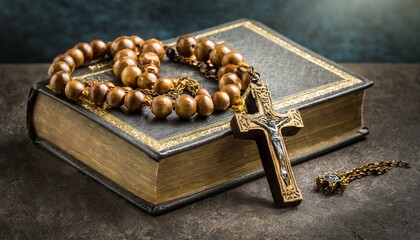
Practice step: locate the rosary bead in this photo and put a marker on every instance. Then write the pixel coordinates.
(245, 79)
(134, 101)
(58, 82)
(205, 105)
(74, 90)
(150, 68)
(203, 48)
(125, 53)
(121, 43)
(161, 106)
(130, 75)
(66, 58)
(230, 78)
(149, 58)
(97, 93)
(146, 80)
(233, 91)
(221, 101)
(233, 57)
(229, 68)
(57, 67)
(122, 63)
(154, 46)
(86, 50)
(138, 41)
(203, 91)
(170, 53)
(212, 73)
(77, 56)
(185, 45)
(204, 67)
(217, 54)
(163, 85)
(99, 48)
(185, 106)
(115, 97)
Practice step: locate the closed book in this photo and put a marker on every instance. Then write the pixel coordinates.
(160, 165)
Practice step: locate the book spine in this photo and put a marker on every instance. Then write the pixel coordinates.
(30, 110)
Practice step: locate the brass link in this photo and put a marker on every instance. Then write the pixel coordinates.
(341, 180)
(369, 169)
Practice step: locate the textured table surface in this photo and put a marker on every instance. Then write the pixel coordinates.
(43, 197)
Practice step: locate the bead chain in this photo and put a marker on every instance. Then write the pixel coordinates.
(331, 182)
(136, 62)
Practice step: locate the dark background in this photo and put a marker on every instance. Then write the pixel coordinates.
(344, 31)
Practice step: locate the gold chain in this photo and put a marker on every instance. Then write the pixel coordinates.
(331, 182)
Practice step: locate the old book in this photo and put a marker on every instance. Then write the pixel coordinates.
(163, 164)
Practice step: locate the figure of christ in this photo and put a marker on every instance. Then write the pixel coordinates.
(272, 126)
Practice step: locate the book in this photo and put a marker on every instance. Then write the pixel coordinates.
(160, 165)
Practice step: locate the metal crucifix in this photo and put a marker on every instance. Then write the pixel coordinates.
(267, 127)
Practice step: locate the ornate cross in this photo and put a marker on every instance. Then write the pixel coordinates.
(264, 125)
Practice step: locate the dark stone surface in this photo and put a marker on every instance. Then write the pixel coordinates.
(358, 30)
(42, 197)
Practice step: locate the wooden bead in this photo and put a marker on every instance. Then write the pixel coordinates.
(66, 58)
(74, 90)
(230, 78)
(185, 106)
(134, 101)
(233, 57)
(185, 45)
(154, 46)
(146, 80)
(221, 101)
(99, 48)
(205, 105)
(115, 97)
(57, 67)
(77, 56)
(58, 82)
(161, 106)
(203, 48)
(138, 41)
(217, 54)
(245, 79)
(120, 44)
(233, 91)
(86, 50)
(130, 75)
(149, 58)
(122, 63)
(97, 93)
(203, 91)
(125, 53)
(229, 68)
(150, 68)
(163, 85)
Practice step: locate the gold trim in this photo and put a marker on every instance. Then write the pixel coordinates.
(347, 80)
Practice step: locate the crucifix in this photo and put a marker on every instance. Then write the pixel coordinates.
(267, 127)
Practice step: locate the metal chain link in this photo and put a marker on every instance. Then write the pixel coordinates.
(331, 182)
(369, 169)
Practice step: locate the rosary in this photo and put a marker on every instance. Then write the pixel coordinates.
(136, 62)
